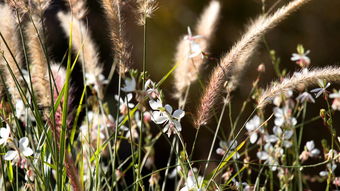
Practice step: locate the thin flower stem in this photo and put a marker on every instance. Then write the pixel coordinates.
(168, 163)
(215, 135)
(116, 126)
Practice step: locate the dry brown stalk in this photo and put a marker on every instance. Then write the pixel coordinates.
(78, 8)
(9, 32)
(38, 62)
(238, 56)
(121, 46)
(330, 74)
(83, 43)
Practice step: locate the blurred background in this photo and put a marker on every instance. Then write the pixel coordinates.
(316, 26)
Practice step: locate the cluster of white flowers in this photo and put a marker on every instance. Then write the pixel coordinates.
(165, 115)
(276, 143)
(19, 151)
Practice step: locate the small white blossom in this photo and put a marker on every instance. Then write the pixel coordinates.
(310, 151)
(305, 97)
(270, 155)
(195, 48)
(130, 85)
(330, 168)
(241, 186)
(252, 127)
(311, 148)
(5, 135)
(322, 89)
(301, 58)
(280, 135)
(18, 155)
(165, 115)
(336, 101)
(124, 104)
(283, 116)
(151, 89)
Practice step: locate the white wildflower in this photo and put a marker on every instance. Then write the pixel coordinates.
(167, 116)
(336, 101)
(330, 168)
(130, 85)
(305, 97)
(283, 116)
(270, 155)
(96, 81)
(310, 151)
(151, 90)
(5, 135)
(253, 127)
(124, 104)
(195, 48)
(18, 155)
(301, 58)
(321, 89)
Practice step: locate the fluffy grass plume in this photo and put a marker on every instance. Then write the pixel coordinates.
(145, 9)
(38, 62)
(188, 68)
(78, 8)
(121, 47)
(310, 78)
(83, 43)
(11, 56)
(237, 59)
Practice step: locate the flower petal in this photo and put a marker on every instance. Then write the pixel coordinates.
(158, 118)
(178, 114)
(310, 145)
(155, 105)
(23, 142)
(168, 108)
(10, 155)
(253, 138)
(27, 152)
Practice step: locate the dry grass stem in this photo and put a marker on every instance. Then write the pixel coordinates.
(83, 43)
(38, 61)
(238, 56)
(146, 8)
(9, 31)
(188, 68)
(121, 46)
(78, 8)
(330, 74)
